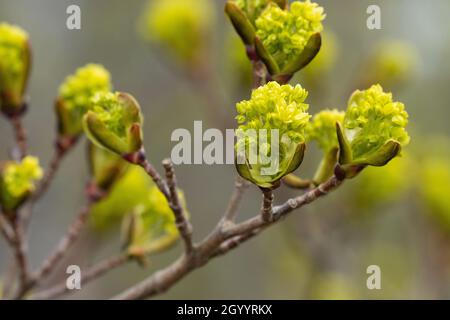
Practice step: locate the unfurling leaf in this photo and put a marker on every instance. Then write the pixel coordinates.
(114, 123)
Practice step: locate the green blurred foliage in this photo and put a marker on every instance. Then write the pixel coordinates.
(130, 192)
(380, 185)
(182, 27)
(434, 181)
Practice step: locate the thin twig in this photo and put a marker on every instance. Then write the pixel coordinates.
(55, 162)
(181, 221)
(6, 229)
(163, 279)
(62, 146)
(92, 273)
(266, 208)
(234, 242)
(139, 158)
(233, 205)
(64, 244)
(20, 134)
(73, 232)
(20, 253)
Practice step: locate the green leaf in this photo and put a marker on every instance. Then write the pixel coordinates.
(381, 156)
(303, 59)
(326, 166)
(297, 159)
(240, 22)
(345, 151)
(135, 138)
(295, 182)
(100, 135)
(265, 56)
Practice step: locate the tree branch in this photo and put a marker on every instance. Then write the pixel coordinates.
(73, 232)
(64, 244)
(6, 229)
(181, 221)
(93, 273)
(219, 242)
(20, 134)
(20, 253)
(139, 158)
(233, 205)
(266, 209)
(62, 147)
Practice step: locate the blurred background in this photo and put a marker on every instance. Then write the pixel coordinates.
(397, 217)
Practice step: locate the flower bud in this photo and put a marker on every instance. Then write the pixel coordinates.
(106, 167)
(286, 38)
(15, 61)
(114, 122)
(17, 181)
(151, 226)
(243, 14)
(290, 37)
(373, 131)
(74, 97)
(271, 133)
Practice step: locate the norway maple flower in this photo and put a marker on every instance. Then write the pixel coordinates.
(180, 26)
(75, 94)
(253, 8)
(14, 67)
(374, 128)
(271, 133)
(322, 129)
(285, 34)
(17, 181)
(285, 37)
(114, 122)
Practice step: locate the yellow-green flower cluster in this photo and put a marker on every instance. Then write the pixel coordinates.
(275, 106)
(271, 107)
(322, 128)
(14, 63)
(180, 26)
(372, 118)
(20, 177)
(79, 88)
(253, 8)
(18, 180)
(286, 33)
(76, 93)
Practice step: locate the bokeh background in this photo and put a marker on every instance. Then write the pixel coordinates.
(397, 217)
